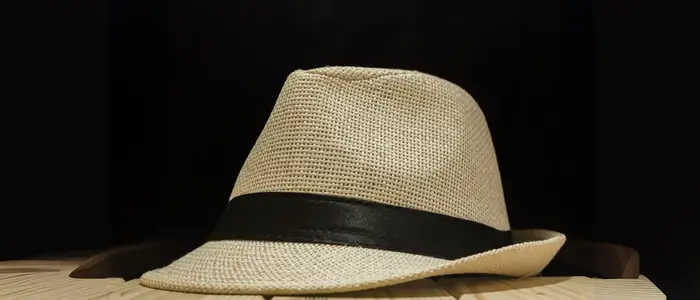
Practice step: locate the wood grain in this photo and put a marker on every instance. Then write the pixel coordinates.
(132, 290)
(420, 289)
(641, 288)
(559, 288)
(54, 285)
(49, 279)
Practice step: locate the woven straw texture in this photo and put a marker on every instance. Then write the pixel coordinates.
(396, 137)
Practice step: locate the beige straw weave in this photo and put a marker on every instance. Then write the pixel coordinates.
(395, 137)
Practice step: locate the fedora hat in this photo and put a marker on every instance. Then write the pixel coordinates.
(362, 178)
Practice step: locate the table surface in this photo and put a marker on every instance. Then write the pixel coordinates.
(48, 279)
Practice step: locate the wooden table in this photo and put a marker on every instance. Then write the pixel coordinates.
(47, 279)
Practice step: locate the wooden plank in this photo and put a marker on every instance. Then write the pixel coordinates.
(559, 288)
(53, 285)
(641, 288)
(49, 279)
(132, 290)
(419, 289)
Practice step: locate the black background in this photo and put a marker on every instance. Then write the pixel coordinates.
(130, 122)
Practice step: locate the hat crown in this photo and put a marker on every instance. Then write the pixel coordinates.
(395, 137)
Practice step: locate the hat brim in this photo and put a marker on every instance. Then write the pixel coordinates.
(277, 268)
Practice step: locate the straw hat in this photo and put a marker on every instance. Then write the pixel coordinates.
(362, 178)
